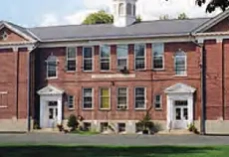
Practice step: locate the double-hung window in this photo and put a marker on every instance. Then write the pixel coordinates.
(122, 56)
(139, 50)
(157, 102)
(105, 58)
(122, 98)
(88, 58)
(140, 95)
(158, 56)
(51, 67)
(71, 59)
(87, 98)
(70, 101)
(180, 63)
(105, 98)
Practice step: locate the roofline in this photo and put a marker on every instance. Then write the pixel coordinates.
(117, 37)
(211, 22)
(16, 31)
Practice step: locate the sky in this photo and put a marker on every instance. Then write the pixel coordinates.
(32, 13)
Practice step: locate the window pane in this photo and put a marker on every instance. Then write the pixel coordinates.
(122, 96)
(158, 55)
(71, 53)
(71, 65)
(105, 51)
(105, 98)
(140, 50)
(140, 63)
(87, 98)
(70, 101)
(87, 65)
(105, 66)
(88, 52)
(180, 63)
(129, 9)
(105, 58)
(140, 98)
(122, 51)
(51, 69)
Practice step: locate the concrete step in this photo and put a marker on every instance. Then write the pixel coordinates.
(175, 132)
(46, 130)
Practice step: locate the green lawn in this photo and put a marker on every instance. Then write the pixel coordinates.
(107, 151)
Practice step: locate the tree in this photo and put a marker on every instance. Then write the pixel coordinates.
(182, 16)
(164, 17)
(213, 4)
(100, 17)
(72, 122)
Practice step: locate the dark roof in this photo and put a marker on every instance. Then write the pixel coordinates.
(108, 31)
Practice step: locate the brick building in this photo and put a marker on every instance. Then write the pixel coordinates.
(111, 74)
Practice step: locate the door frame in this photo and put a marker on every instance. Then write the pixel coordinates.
(183, 121)
(44, 109)
(171, 98)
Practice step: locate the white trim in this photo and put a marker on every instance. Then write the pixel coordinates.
(100, 49)
(145, 103)
(92, 58)
(127, 97)
(116, 42)
(73, 103)
(18, 32)
(92, 96)
(185, 57)
(104, 109)
(163, 57)
(145, 60)
(154, 104)
(67, 59)
(127, 57)
(54, 77)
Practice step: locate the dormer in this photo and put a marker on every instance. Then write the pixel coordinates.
(124, 12)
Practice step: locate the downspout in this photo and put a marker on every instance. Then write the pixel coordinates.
(203, 86)
(28, 93)
(16, 82)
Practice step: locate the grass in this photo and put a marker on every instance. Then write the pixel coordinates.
(115, 151)
(83, 133)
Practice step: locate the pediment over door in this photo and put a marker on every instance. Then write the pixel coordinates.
(50, 90)
(180, 88)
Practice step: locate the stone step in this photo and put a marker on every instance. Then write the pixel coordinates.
(175, 132)
(46, 130)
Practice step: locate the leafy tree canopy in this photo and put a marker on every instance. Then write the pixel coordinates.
(213, 4)
(101, 17)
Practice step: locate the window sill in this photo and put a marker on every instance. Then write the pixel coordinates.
(51, 78)
(140, 109)
(159, 69)
(105, 109)
(70, 71)
(71, 109)
(158, 109)
(88, 109)
(185, 75)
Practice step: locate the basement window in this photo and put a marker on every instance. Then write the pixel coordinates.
(121, 127)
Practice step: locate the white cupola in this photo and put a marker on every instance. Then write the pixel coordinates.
(124, 12)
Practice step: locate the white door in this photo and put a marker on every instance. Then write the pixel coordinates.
(180, 114)
(52, 114)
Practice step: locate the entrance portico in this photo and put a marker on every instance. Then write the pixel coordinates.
(50, 106)
(179, 106)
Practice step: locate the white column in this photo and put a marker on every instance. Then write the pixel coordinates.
(42, 111)
(59, 112)
(169, 112)
(190, 108)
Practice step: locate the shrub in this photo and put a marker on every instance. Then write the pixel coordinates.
(146, 123)
(192, 128)
(72, 122)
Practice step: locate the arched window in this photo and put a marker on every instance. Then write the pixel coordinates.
(51, 70)
(180, 63)
(134, 10)
(129, 9)
(121, 9)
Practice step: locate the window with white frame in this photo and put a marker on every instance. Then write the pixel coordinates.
(129, 9)
(88, 58)
(121, 9)
(105, 58)
(70, 101)
(157, 102)
(51, 67)
(87, 98)
(122, 56)
(71, 59)
(158, 56)
(180, 63)
(140, 95)
(122, 98)
(3, 99)
(105, 98)
(139, 50)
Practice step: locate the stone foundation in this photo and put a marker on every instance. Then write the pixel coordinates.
(217, 126)
(13, 125)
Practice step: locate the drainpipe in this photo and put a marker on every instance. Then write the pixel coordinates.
(28, 90)
(203, 86)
